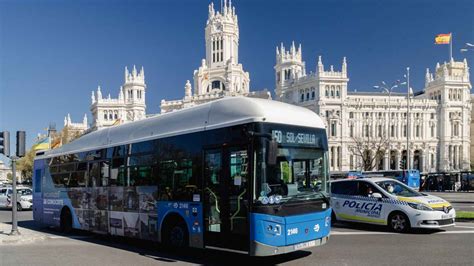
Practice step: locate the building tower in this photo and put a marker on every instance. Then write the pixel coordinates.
(289, 67)
(450, 87)
(221, 71)
(129, 106)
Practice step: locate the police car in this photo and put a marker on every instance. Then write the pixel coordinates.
(386, 201)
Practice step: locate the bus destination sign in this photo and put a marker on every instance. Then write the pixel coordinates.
(294, 138)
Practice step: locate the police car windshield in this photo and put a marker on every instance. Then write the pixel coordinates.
(299, 174)
(397, 189)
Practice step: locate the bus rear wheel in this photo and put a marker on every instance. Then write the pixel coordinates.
(399, 222)
(175, 233)
(65, 223)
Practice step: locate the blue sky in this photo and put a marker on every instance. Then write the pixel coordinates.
(54, 53)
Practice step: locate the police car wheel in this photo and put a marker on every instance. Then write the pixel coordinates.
(19, 207)
(399, 222)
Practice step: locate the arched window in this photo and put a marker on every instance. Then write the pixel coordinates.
(116, 115)
(110, 115)
(327, 91)
(332, 91)
(313, 94)
(302, 97)
(105, 115)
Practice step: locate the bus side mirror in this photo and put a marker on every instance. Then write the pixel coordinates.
(272, 152)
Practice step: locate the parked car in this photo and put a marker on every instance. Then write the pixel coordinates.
(24, 197)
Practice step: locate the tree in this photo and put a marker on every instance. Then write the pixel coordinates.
(370, 149)
(25, 165)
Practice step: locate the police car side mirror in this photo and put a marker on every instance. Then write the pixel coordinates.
(377, 195)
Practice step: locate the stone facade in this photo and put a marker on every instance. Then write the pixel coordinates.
(438, 117)
(220, 73)
(129, 106)
(107, 111)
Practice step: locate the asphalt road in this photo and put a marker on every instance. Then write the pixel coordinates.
(350, 244)
(461, 201)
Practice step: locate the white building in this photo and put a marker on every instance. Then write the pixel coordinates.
(439, 124)
(220, 73)
(107, 111)
(129, 106)
(5, 170)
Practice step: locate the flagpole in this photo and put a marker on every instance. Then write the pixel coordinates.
(451, 47)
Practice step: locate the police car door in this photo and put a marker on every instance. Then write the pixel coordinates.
(369, 208)
(342, 196)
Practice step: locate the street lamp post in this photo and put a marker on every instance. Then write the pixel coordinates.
(389, 90)
(408, 118)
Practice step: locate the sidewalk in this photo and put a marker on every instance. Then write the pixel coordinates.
(454, 197)
(26, 235)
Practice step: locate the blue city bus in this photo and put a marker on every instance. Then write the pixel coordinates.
(410, 177)
(238, 174)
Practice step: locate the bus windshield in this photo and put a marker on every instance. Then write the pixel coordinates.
(299, 174)
(398, 189)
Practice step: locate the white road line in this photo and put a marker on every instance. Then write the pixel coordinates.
(389, 233)
(462, 226)
(457, 232)
(361, 233)
(68, 237)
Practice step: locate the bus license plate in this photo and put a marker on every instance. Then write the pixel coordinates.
(305, 245)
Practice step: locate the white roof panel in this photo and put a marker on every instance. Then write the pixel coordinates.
(216, 114)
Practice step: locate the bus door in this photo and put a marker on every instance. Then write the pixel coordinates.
(38, 173)
(226, 198)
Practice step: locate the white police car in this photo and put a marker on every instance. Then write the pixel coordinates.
(388, 202)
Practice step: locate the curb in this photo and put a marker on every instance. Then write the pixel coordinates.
(21, 240)
(26, 236)
(465, 220)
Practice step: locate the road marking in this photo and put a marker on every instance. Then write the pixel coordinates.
(390, 233)
(462, 226)
(69, 237)
(457, 232)
(361, 233)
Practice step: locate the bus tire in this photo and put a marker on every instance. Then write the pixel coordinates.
(398, 222)
(333, 218)
(175, 232)
(65, 222)
(19, 207)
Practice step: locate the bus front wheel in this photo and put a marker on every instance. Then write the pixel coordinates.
(65, 223)
(175, 233)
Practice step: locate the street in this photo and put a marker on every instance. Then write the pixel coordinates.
(350, 244)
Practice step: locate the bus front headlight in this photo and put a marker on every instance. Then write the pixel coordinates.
(420, 206)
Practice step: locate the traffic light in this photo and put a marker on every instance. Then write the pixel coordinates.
(20, 143)
(5, 143)
(402, 164)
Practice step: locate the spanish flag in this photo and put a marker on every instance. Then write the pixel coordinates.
(42, 144)
(443, 39)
